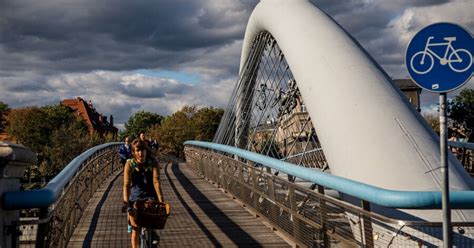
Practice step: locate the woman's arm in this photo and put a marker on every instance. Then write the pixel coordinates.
(156, 181)
(127, 181)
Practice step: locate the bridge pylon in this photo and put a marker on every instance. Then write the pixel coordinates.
(13, 162)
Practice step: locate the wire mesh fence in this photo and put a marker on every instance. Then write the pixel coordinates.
(266, 113)
(310, 217)
(54, 226)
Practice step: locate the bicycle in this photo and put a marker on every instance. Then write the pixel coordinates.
(149, 238)
(148, 215)
(454, 60)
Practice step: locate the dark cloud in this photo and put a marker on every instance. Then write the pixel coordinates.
(153, 90)
(68, 36)
(28, 87)
(347, 7)
(56, 49)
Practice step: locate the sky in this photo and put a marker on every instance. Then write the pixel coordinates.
(159, 55)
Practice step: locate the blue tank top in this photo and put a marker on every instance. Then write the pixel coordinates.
(142, 181)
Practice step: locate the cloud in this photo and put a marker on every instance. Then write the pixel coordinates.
(118, 93)
(57, 49)
(384, 28)
(146, 87)
(116, 35)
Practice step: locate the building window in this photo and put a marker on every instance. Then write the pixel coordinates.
(303, 108)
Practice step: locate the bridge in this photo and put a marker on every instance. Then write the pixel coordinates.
(284, 169)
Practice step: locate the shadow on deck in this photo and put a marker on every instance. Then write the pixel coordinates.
(202, 216)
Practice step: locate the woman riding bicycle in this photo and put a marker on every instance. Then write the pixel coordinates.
(141, 181)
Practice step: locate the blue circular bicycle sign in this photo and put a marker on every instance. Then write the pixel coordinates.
(439, 58)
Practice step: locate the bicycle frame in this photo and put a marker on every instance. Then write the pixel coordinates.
(428, 45)
(451, 56)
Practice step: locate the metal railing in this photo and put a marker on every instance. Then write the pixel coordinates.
(466, 156)
(312, 218)
(62, 202)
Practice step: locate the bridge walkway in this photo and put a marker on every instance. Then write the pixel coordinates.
(202, 216)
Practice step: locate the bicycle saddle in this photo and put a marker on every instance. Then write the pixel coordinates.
(449, 38)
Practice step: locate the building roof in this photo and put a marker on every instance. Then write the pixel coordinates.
(96, 122)
(406, 84)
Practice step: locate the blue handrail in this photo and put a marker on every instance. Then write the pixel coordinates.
(376, 195)
(458, 144)
(46, 196)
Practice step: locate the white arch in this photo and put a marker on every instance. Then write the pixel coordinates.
(368, 130)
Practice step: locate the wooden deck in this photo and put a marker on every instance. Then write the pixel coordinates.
(201, 216)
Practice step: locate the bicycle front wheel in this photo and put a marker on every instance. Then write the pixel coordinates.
(461, 61)
(148, 238)
(421, 62)
(144, 238)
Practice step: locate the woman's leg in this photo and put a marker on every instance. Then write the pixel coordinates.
(136, 237)
(135, 232)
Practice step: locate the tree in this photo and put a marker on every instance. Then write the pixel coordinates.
(29, 126)
(141, 121)
(461, 112)
(206, 122)
(189, 123)
(175, 130)
(4, 109)
(67, 142)
(55, 133)
(433, 121)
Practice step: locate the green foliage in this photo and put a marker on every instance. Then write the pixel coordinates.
(141, 121)
(55, 133)
(206, 122)
(59, 115)
(67, 142)
(433, 121)
(175, 130)
(4, 109)
(461, 112)
(29, 127)
(94, 140)
(189, 123)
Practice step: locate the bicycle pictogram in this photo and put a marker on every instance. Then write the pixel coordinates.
(459, 60)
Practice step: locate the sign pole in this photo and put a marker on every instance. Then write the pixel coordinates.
(439, 72)
(447, 232)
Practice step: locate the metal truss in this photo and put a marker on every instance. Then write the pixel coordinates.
(267, 114)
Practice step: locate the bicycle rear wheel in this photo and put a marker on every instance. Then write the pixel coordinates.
(421, 62)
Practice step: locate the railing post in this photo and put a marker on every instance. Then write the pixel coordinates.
(463, 157)
(13, 162)
(241, 181)
(323, 216)
(294, 212)
(367, 225)
(271, 196)
(42, 235)
(112, 167)
(253, 176)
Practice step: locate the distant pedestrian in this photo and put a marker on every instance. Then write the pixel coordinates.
(125, 151)
(142, 137)
(154, 145)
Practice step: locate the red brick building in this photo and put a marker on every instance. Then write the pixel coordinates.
(96, 122)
